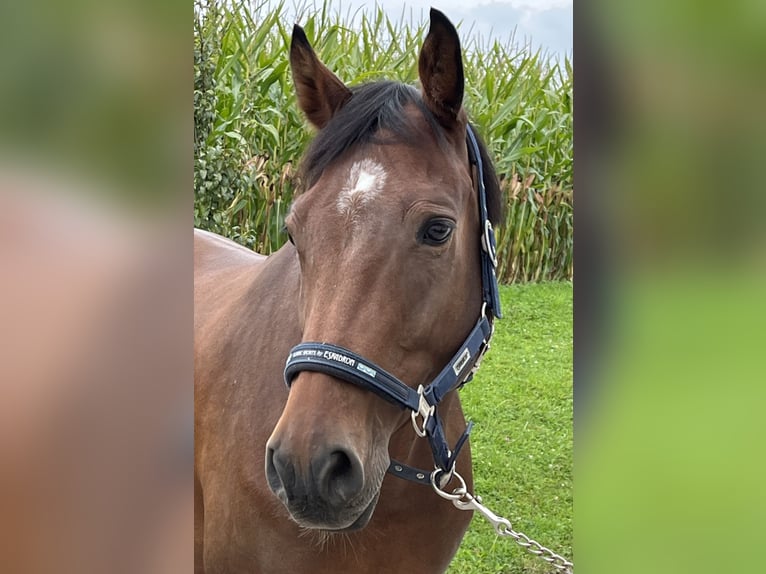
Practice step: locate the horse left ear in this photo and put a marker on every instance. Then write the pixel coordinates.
(320, 93)
(441, 70)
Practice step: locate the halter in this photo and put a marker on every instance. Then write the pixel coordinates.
(344, 364)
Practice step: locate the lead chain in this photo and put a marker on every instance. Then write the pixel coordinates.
(558, 562)
(464, 500)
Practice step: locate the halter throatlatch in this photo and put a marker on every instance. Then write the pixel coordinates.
(344, 364)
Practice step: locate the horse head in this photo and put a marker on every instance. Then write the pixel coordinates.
(387, 236)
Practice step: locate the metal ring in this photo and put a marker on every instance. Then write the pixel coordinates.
(488, 248)
(457, 494)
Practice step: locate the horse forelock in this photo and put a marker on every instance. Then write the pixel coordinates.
(372, 109)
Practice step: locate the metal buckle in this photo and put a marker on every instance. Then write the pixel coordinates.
(425, 410)
(486, 244)
(484, 348)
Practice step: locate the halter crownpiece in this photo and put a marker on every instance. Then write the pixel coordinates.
(344, 364)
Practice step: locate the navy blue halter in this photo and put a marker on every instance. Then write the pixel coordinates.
(344, 364)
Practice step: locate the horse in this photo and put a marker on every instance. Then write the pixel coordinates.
(381, 283)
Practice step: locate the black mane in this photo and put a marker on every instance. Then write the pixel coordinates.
(380, 106)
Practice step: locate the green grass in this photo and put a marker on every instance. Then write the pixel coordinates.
(521, 402)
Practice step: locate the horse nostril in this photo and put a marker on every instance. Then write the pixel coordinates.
(340, 476)
(280, 473)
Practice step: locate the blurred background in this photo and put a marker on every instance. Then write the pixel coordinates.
(96, 179)
(95, 287)
(669, 302)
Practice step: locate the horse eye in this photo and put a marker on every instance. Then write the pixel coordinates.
(437, 231)
(289, 237)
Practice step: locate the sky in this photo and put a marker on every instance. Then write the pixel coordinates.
(545, 24)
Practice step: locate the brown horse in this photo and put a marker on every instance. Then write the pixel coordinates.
(384, 259)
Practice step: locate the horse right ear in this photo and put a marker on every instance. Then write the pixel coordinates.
(320, 93)
(440, 68)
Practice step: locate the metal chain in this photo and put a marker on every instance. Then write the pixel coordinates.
(558, 562)
(464, 500)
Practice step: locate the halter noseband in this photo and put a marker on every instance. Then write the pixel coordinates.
(347, 366)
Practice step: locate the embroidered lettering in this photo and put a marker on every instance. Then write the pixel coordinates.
(338, 358)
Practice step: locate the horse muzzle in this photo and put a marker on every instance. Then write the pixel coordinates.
(330, 493)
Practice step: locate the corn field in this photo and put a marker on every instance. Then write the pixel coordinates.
(249, 134)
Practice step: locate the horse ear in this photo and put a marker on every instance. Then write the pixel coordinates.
(320, 93)
(441, 70)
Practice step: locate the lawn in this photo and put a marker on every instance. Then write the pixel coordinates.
(521, 402)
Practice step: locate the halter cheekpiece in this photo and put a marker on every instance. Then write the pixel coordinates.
(347, 366)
